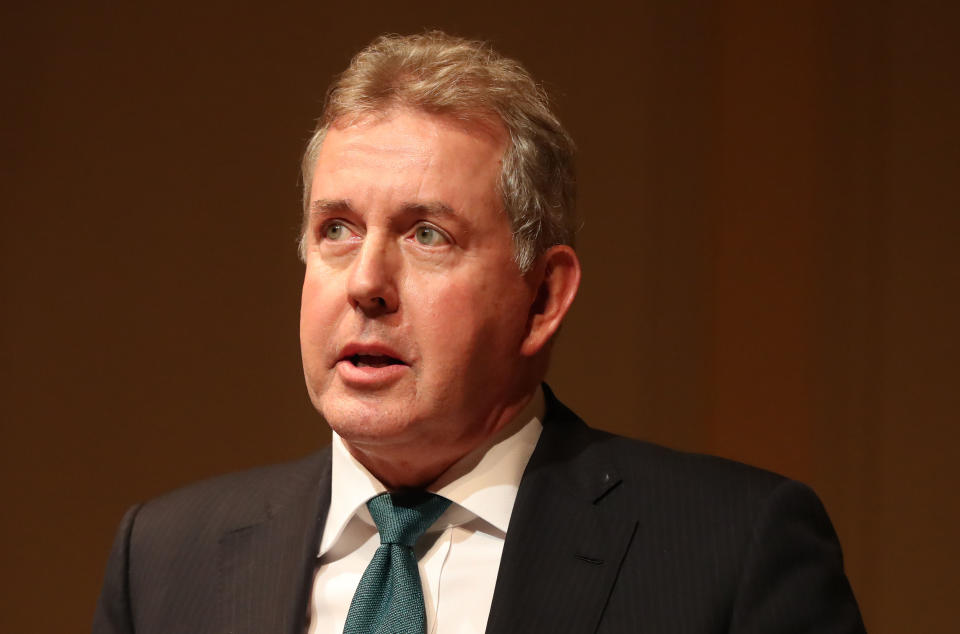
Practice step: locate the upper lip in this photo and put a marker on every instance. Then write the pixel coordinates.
(369, 349)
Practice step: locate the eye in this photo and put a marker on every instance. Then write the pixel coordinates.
(430, 236)
(335, 231)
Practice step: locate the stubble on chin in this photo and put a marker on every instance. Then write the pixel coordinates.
(366, 422)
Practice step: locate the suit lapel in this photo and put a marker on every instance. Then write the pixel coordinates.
(267, 565)
(564, 545)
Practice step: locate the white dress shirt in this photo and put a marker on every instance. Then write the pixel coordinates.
(459, 555)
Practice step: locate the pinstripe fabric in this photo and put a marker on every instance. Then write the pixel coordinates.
(607, 535)
(612, 536)
(232, 554)
(389, 599)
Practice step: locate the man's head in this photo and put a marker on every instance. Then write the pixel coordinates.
(441, 74)
(424, 326)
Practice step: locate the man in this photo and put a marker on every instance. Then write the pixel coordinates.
(437, 241)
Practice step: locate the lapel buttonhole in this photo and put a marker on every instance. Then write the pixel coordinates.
(590, 560)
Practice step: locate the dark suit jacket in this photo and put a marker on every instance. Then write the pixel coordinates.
(607, 535)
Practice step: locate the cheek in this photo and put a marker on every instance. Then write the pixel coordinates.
(316, 306)
(470, 319)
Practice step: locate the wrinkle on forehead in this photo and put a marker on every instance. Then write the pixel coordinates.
(486, 124)
(354, 152)
(415, 155)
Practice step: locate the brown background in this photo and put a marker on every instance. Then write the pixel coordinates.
(770, 231)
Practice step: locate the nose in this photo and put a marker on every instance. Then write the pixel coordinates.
(371, 285)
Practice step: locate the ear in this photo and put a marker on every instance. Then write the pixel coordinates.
(558, 274)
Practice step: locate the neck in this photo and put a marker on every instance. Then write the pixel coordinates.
(418, 465)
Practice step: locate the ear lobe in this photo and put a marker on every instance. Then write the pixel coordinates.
(559, 281)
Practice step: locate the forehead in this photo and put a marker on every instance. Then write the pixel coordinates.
(413, 154)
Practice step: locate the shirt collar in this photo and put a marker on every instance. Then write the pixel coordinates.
(484, 482)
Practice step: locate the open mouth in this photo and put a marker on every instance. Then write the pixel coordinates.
(373, 360)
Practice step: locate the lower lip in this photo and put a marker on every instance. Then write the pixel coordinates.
(369, 376)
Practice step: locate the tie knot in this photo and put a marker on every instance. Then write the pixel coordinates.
(402, 518)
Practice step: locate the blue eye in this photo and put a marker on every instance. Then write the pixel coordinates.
(428, 236)
(335, 231)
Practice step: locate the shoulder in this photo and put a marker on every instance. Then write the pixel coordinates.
(169, 556)
(724, 497)
(645, 462)
(663, 482)
(230, 501)
(750, 545)
(691, 475)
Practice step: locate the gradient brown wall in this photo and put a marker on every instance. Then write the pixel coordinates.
(770, 232)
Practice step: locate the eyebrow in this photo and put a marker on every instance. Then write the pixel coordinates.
(324, 205)
(427, 208)
(430, 208)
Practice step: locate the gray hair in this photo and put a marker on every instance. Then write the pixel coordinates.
(447, 75)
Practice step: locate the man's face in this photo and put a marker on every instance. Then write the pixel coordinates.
(413, 309)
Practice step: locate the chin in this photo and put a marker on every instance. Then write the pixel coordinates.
(370, 423)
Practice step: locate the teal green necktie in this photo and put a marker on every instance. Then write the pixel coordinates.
(389, 598)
